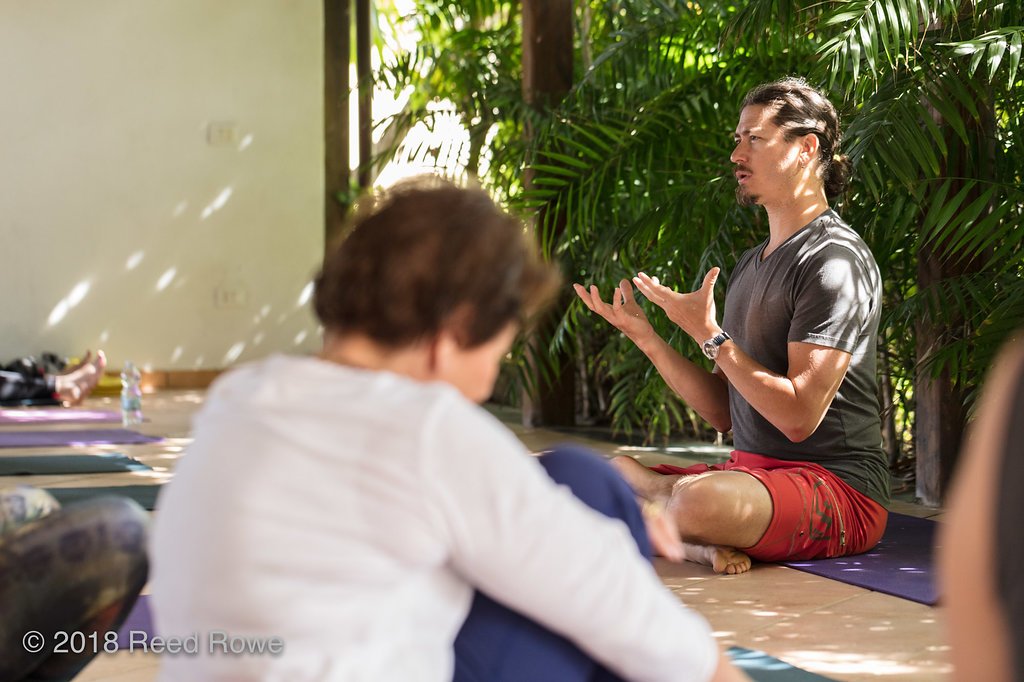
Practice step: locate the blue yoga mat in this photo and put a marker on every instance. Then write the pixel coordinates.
(38, 465)
(902, 564)
(72, 437)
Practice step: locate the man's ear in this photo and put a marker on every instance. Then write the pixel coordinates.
(809, 145)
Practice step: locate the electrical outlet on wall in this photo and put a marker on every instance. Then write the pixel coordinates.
(232, 295)
(222, 133)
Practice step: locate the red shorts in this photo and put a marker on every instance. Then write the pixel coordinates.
(815, 514)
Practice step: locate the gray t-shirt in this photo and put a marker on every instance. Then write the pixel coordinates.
(820, 286)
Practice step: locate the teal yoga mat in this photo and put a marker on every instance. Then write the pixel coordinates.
(72, 438)
(764, 668)
(40, 465)
(145, 495)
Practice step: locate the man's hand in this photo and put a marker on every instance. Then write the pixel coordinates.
(624, 313)
(694, 312)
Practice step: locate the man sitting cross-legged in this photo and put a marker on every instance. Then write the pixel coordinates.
(794, 376)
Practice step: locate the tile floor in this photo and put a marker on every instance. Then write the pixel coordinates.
(837, 630)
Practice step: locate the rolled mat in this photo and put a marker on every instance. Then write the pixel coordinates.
(72, 437)
(59, 415)
(902, 564)
(145, 495)
(38, 465)
(764, 668)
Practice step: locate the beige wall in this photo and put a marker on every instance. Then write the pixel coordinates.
(123, 227)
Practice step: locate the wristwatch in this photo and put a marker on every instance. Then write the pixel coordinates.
(710, 347)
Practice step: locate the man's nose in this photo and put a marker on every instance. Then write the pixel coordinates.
(738, 153)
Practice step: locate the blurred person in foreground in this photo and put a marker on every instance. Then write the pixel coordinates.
(981, 556)
(364, 509)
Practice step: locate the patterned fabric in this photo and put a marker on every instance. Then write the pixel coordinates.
(22, 504)
(64, 570)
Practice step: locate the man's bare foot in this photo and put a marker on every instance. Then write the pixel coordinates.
(74, 386)
(720, 559)
(644, 482)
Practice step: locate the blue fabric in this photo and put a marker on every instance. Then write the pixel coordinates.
(496, 644)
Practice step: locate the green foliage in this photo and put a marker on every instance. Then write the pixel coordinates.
(468, 53)
(631, 172)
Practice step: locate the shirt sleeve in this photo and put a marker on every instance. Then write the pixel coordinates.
(533, 546)
(835, 298)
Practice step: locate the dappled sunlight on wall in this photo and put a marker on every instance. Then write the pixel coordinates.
(70, 301)
(166, 279)
(234, 352)
(134, 260)
(168, 200)
(218, 203)
(307, 293)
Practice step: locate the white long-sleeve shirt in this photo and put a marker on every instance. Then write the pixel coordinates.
(351, 514)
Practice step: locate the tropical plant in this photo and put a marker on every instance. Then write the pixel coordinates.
(932, 99)
(466, 62)
(631, 172)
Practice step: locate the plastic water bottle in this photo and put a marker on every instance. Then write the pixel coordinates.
(131, 395)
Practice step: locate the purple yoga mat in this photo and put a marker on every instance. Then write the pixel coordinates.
(902, 564)
(60, 415)
(33, 439)
(139, 620)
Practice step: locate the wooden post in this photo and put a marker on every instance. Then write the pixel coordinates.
(940, 416)
(547, 51)
(547, 77)
(365, 83)
(337, 172)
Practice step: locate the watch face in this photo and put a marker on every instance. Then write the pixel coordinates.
(711, 350)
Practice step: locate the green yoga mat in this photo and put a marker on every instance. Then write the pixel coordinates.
(39, 465)
(764, 668)
(145, 495)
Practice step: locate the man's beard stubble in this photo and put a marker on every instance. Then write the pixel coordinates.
(745, 198)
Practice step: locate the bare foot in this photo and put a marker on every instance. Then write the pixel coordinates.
(85, 360)
(644, 482)
(74, 386)
(720, 559)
